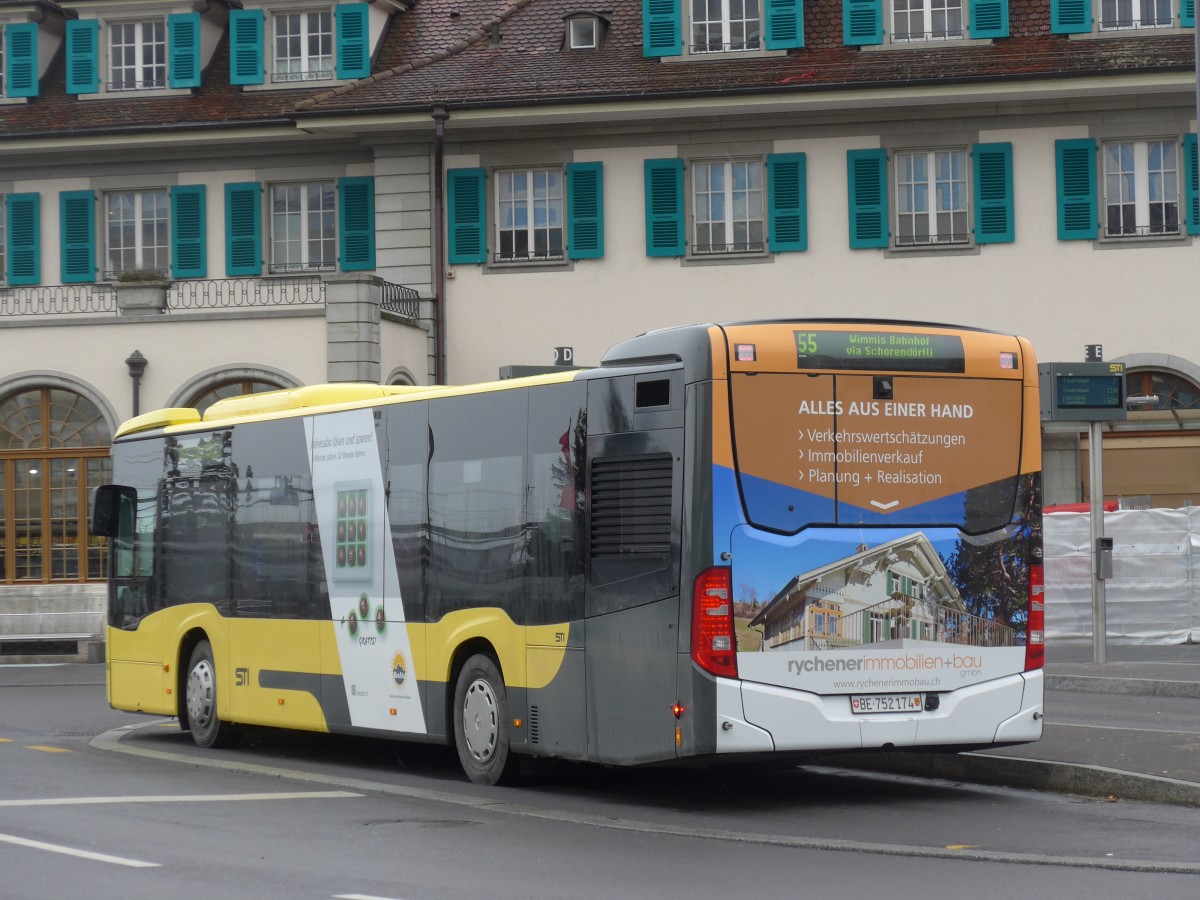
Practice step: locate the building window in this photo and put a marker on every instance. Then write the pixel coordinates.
(303, 227)
(529, 214)
(926, 20)
(137, 226)
(931, 197)
(1122, 14)
(137, 55)
(53, 451)
(1169, 391)
(583, 33)
(303, 44)
(727, 207)
(726, 25)
(1141, 188)
(237, 388)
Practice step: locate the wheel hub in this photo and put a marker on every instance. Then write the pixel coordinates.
(480, 727)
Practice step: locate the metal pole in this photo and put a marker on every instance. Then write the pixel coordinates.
(1096, 492)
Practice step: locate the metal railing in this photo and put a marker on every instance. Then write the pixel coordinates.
(201, 294)
(401, 300)
(239, 293)
(57, 300)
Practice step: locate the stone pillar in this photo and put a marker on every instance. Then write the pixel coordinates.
(352, 328)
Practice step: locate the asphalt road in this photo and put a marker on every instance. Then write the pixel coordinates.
(104, 804)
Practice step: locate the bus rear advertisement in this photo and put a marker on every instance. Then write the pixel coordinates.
(724, 541)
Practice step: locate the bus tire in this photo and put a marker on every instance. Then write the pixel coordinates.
(200, 696)
(481, 723)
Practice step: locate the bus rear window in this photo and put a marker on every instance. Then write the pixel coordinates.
(876, 450)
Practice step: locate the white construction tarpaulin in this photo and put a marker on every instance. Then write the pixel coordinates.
(1152, 596)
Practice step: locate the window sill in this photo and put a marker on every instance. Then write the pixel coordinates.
(1110, 34)
(529, 265)
(1141, 240)
(930, 44)
(960, 248)
(314, 85)
(722, 55)
(134, 94)
(727, 259)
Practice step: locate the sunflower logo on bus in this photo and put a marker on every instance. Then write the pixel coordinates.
(399, 669)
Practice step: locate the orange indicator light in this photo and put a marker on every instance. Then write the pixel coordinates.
(280, 701)
(392, 711)
(517, 723)
(677, 709)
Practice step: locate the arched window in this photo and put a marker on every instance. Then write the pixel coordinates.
(1173, 391)
(234, 388)
(54, 448)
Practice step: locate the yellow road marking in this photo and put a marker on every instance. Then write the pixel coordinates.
(962, 846)
(47, 749)
(5, 740)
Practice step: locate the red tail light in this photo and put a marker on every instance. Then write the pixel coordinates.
(714, 643)
(1035, 629)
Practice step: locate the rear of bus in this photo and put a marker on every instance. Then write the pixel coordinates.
(876, 575)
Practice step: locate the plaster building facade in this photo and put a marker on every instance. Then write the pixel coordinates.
(255, 194)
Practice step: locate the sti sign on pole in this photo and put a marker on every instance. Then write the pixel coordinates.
(1092, 392)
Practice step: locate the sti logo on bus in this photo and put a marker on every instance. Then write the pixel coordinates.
(242, 675)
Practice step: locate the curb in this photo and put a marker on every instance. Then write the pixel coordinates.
(1034, 774)
(1105, 684)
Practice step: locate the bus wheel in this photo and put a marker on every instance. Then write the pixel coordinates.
(201, 699)
(481, 723)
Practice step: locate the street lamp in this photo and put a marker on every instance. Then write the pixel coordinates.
(137, 365)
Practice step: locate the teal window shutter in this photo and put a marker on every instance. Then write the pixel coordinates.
(1075, 165)
(356, 223)
(21, 60)
(189, 250)
(787, 180)
(246, 46)
(353, 41)
(1187, 13)
(585, 210)
(664, 207)
(83, 56)
(1191, 183)
(183, 50)
(988, 19)
(862, 22)
(1070, 16)
(77, 228)
(467, 221)
(785, 24)
(662, 28)
(24, 221)
(868, 198)
(243, 229)
(993, 201)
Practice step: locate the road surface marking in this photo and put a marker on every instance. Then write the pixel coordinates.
(361, 897)
(71, 851)
(177, 798)
(6, 740)
(47, 749)
(1119, 728)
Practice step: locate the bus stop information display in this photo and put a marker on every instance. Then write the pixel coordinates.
(1082, 392)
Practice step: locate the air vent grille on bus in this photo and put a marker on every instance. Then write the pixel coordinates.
(631, 507)
(653, 393)
(535, 731)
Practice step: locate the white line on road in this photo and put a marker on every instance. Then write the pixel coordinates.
(361, 897)
(1119, 728)
(184, 798)
(82, 854)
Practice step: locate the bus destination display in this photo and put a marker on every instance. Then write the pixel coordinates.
(893, 350)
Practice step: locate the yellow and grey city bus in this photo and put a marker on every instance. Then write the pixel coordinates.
(725, 541)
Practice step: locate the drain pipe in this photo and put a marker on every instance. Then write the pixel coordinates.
(440, 115)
